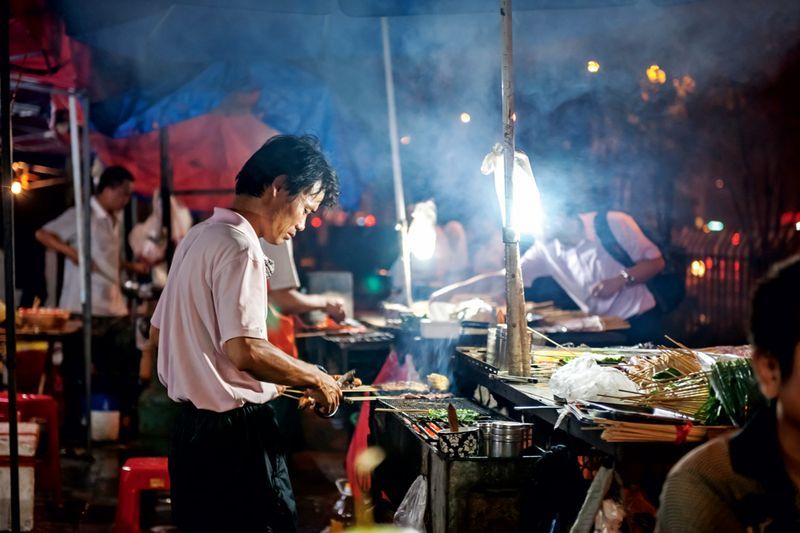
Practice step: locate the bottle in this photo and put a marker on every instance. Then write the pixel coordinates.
(343, 515)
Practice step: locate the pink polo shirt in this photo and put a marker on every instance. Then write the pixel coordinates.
(216, 290)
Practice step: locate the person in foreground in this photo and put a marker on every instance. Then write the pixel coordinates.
(226, 467)
(749, 481)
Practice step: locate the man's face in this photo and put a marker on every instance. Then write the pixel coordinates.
(285, 215)
(116, 198)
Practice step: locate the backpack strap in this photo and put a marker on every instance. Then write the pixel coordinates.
(609, 242)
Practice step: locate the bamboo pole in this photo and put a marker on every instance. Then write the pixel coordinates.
(517, 345)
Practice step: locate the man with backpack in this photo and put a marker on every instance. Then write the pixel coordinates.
(604, 263)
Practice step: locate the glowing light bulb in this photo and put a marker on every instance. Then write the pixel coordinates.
(465, 118)
(715, 225)
(16, 187)
(698, 269)
(593, 66)
(422, 231)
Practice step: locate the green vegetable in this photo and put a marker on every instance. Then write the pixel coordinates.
(465, 416)
(612, 359)
(667, 374)
(735, 385)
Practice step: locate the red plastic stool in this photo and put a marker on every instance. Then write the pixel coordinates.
(29, 406)
(138, 474)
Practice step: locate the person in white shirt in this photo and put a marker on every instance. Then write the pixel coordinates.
(571, 252)
(61, 234)
(114, 354)
(227, 471)
(284, 285)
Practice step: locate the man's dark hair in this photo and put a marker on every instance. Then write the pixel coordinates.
(113, 177)
(299, 158)
(775, 314)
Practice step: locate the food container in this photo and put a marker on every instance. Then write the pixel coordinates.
(43, 318)
(500, 359)
(509, 439)
(485, 429)
(491, 339)
(459, 444)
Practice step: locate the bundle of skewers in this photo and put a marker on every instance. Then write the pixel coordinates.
(685, 394)
(625, 431)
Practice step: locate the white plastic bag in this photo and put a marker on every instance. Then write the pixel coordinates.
(411, 512)
(146, 238)
(528, 212)
(584, 379)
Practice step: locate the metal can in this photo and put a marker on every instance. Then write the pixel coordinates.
(509, 439)
(485, 428)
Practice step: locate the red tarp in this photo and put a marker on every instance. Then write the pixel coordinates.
(205, 153)
(41, 50)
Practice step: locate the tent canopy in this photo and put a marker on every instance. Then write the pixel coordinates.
(317, 65)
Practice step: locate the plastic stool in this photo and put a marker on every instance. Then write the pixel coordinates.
(138, 474)
(29, 406)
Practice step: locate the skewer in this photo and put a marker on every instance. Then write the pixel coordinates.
(293, 397)
(401, 411)
(371, 398)
(354, 390)
(548, 339)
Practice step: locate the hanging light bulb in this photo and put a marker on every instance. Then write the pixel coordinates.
(528, 213)
(422, 231)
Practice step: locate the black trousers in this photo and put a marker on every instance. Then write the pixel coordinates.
(228, 472)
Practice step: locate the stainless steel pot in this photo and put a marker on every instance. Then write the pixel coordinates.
(508, 439)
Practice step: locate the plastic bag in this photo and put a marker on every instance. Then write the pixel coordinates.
(147, 238)
(411, 512)
(584, 379)
(528, 212)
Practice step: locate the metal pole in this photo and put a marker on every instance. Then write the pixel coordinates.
(397, 173)
(8, 249)
(166, 190)
(82, 216)
(517, 346)
(86, 192)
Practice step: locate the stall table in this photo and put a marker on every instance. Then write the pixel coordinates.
(645, 463)
(72, 327)
(470, 494)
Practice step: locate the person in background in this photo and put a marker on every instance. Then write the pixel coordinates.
(287, 300)
(571, 252)
(438, 253)
(227, 469)
(114, 354)
(750, 480)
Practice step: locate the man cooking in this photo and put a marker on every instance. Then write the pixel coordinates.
(573, 253)
(226, 469)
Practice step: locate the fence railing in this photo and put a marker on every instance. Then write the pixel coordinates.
(721, 270)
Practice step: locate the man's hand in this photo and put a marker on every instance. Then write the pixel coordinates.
(334, 307)
(328, 393)
(608, 287)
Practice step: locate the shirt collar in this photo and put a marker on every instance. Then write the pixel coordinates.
(99, 210)
(229, 216)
